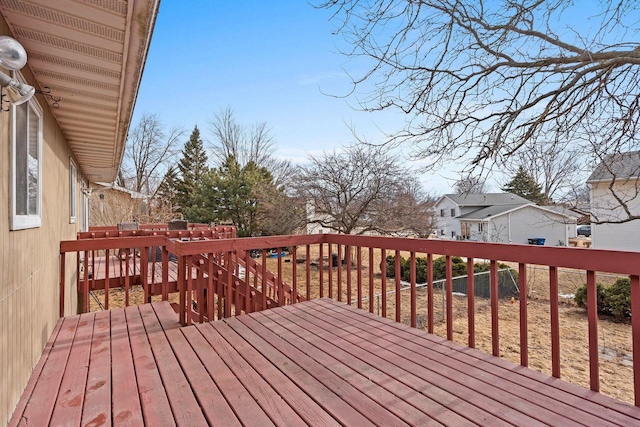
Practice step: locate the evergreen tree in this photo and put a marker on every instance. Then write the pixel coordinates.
(523, 185)
(168, 188)
(192, 167)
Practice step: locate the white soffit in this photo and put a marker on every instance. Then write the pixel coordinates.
(91, 54)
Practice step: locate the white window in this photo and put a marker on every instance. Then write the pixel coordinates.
(442, 213)
(85, 209)
(26, 165)
(453, 213)
(73, 194)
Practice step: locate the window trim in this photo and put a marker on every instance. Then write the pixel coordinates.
(22, 222)
(73, 192)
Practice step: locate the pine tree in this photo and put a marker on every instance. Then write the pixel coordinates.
(192, 167)
(168, 188)
(523, 185)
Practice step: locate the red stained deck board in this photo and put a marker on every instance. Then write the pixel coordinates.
(349, 394)
(329, 399)
(184, 405)
(319, 362)
(483, 395)
(124, 395)
(565, 403)
(546, 409)
(271, 403)
(35, 376)
(42, 400)
(213, 404)
(97, 399)
(377, 370)
(309, 410)
(153, 398)
(68, 407)
(324, 356)
(243, 405)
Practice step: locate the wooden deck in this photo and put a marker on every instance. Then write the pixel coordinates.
(314, 363)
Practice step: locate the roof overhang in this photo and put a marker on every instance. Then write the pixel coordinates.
(90, 54)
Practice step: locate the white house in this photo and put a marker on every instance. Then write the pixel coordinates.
(502, 217)
(616, 179)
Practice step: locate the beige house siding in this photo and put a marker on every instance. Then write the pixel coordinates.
(29, 259)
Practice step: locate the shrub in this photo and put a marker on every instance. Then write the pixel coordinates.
(614, 300)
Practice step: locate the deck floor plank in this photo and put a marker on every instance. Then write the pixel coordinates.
(558, 400)
(349, 394)
(125, 396)
(324, 356)
(43, 399)
(35, 376)
(519, 398)
(398, 381)
(97, 399)
(329, 399)
(271, 403)
(485, 396)
(184, 405)
(209, 397)
(309, 410)
(243, 405)
(68, 407)
(318, 362)
(153, 397)
(452, 354)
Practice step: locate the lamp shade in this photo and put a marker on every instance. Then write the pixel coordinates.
(12, 54)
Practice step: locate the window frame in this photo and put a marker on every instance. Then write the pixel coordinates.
(73, 192)
(453, 212)
(25, 221)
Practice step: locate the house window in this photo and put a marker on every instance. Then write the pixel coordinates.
(465, 230)
(442, 232)
(453, 213)
(453, 234)
(26, 165)
(442, 213)
(481, 227)
(73, 196)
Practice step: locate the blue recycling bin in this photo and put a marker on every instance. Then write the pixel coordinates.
(536, 241)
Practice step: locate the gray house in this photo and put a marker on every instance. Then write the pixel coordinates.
(502, 217)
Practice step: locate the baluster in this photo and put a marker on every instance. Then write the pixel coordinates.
(449, 297)
(398, 274)
(471, 305)
(555, 322)
(495, 336)
(524, 320)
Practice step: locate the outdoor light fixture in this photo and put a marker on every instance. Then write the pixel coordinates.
(13, 57)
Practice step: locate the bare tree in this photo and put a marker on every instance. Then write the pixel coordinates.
(361, 189)
(246, 144)
(470, 184)
(554, 165)
(148, 152)
(481, 81)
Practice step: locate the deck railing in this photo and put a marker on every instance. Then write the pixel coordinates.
(218, 289)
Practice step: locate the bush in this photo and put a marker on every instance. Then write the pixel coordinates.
(614, 300)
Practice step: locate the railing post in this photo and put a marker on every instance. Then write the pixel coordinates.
(181, 291)
(347, 253)
(383, 284)
(524, 320)
(592, 316)
(430, 293)
(397, 274)
(359, 275)
(371, 280)
(308, 272)
(449, 297)
(471, 305)
(321, 269)
(165, 273)
(413, 289)
(495, 332)
(555, 321)
(85, 283)
(62, 274)
(635, 333)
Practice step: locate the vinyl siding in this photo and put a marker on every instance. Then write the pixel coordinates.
(623, 236)
(29, 259)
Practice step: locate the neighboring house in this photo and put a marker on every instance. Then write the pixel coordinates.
(111, 204)
(614, 180)
(317, 223)
(89, 55)
(502, 217)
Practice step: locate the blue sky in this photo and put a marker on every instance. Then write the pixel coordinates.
(270, 62)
